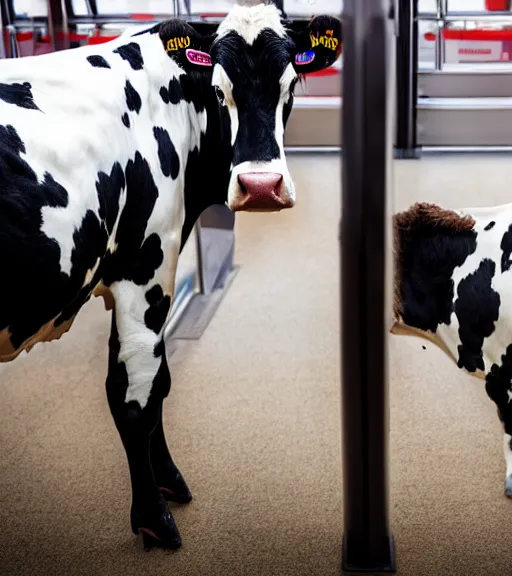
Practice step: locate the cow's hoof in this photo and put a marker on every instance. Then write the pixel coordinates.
(157, 526)
(508, 486)
(151, 540)
(173, 486)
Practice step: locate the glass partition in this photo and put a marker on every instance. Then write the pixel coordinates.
(293, 7)
(464, 32)
(30, 8)
(468, 5)
(427, 6)
(465, 73)
(33, 37)
(427, 32)
(106, 7)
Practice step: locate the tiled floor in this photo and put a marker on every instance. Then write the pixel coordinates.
(253, 420)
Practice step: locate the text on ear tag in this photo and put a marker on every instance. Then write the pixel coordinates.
(305, 58)
(327, 41)
(178, 43)
(198, 57)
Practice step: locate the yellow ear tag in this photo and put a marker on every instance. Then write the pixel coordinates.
(178, 43)
(327, 40)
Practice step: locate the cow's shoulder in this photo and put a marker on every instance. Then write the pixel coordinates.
(137, 255)
(483, 290)
(477, 308)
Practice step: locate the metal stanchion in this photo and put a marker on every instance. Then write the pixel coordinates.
(407, 79)
(368, 106)
(58, 25)
(9, 45)
(3, 52)
(92, 7)
(442, 10)
(3, 32)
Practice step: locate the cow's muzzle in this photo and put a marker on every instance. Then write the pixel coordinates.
(261, 192)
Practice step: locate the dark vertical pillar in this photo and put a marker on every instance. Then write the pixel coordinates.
(368, 108)
(92, 7)
(3, 36)
(407, 79)
(69, 14)
(8, 42)
(58, 25)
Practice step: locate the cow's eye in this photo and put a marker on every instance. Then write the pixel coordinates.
(220, 96)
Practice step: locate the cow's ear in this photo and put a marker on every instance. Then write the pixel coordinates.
(317, 45)
(186, 45)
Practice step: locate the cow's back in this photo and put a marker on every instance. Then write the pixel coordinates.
(459, 285)
(482, 300)
(56, 158)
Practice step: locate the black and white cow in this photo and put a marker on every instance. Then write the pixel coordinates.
(108, 155)
(453, 278)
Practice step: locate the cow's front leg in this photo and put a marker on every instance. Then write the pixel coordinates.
(138, 380)
(167, 476)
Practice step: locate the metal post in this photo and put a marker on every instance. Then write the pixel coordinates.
(176, 8)
(3, 51)
(92, 7)
(9, 44)
(442, 9)
(58, 25)
(368, 109)
(215, 246)
(407, 79)
(215, 237)
(3, 32)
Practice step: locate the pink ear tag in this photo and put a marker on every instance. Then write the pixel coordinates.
(305, 58)
(198, 57)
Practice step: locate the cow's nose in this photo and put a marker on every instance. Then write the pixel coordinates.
(261, 191)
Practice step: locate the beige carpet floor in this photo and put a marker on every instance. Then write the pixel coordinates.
(254, 421)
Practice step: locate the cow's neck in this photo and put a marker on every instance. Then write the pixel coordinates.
(209, 165)
(207, 149)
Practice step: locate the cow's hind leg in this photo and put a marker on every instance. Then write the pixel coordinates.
(137, 412)
(498, 388)
(167, 476)
(507, 452)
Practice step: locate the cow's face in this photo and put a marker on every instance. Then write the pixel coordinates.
(255, 59)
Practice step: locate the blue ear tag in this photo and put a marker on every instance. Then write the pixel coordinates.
(305, 58)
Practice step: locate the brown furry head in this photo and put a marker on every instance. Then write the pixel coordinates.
(423, 214)
(414, 233)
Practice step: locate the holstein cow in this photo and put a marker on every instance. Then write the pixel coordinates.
(453, 285)
(108, 155)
